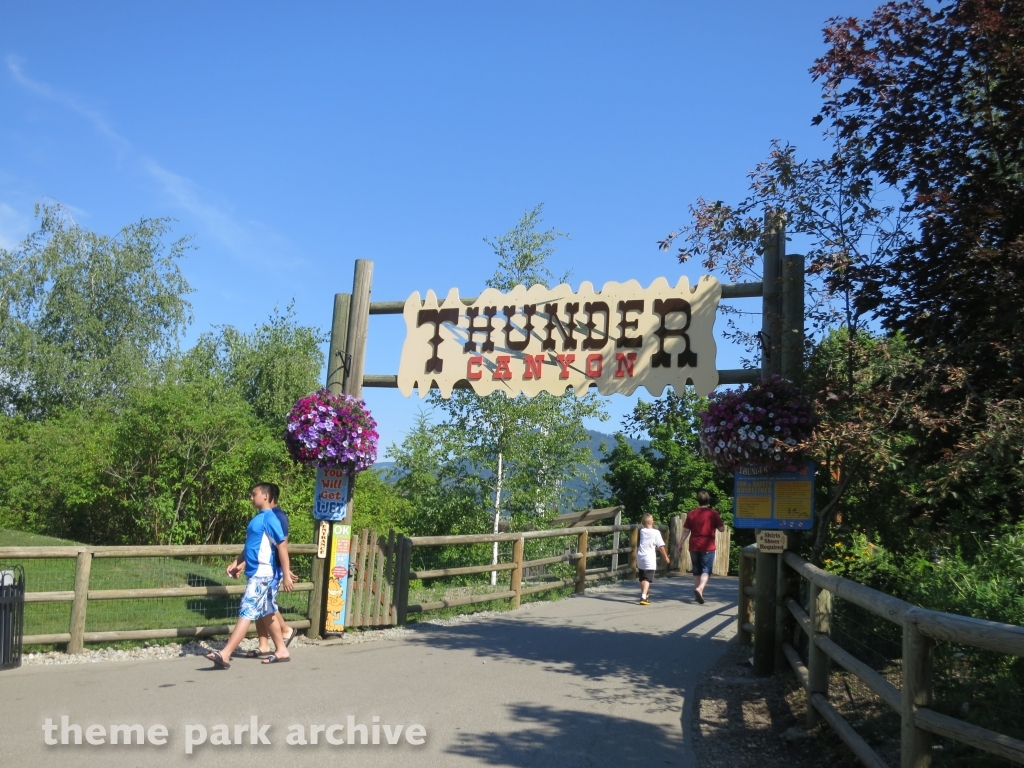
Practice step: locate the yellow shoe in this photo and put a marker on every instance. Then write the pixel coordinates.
(644, 601)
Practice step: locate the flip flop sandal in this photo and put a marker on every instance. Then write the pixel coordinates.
(274, 659)
(218, 660)
(255, 654)
(699, 596)
(291, 637)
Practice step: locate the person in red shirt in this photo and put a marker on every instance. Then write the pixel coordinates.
(700, 526)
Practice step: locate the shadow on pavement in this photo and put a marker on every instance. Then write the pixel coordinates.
(550, 736)
(625, 648)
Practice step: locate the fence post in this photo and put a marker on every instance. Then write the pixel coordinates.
(83, 565)
(388, 585)
(764, 614)
(818, 664)
(634, 542)
(746, 603)
(916, 691)
(402, 578)
(787, 585)
(581, 564)
(675, 535)
(615, 544)
(517, 572)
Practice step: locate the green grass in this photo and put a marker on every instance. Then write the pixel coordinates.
(58, 575)
(9, 538)
(498, 605)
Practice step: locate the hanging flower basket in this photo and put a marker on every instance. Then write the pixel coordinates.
(762, 425)
(326, 430)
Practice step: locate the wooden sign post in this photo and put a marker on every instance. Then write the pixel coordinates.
(345, 363)
(782, 353)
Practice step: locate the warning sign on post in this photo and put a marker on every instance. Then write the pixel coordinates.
(771, 542)
(783, 501)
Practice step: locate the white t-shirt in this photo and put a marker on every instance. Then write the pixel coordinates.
(647, 550)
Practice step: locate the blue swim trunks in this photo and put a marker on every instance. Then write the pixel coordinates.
(260, 598)
(702, 562)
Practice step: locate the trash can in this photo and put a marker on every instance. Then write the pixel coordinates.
(12, 614)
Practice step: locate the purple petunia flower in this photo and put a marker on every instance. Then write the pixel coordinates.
(326, 430)
(737, 423)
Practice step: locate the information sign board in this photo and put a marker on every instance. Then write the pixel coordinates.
(330, 496)
(337, 582)
(771, 542)
(782, 501)
(323, 536)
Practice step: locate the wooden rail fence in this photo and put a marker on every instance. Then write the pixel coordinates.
(516, 590)
(379, 578)
(773, 615)
(81, 595)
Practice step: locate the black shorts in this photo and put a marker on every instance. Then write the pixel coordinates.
(645, 575)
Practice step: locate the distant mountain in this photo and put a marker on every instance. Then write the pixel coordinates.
(597, 438)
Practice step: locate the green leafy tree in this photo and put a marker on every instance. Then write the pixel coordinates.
(929, 97)
(272, 366)
(852, 237)
(437, 507)
(185, 453)
(664, 477)
(173, 463)
(378, 505)
(53, 478)
(523, 254)
(82, 315)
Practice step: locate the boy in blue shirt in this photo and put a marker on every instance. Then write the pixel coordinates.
(266, 566)
(263, 625)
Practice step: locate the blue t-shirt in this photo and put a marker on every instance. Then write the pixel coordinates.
(265, 531)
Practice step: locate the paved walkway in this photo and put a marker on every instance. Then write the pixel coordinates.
(594, 680)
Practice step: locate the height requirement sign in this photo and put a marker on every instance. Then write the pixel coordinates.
(538, 339)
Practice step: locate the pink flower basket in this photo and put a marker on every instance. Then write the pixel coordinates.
(325, 430)
(762, 425)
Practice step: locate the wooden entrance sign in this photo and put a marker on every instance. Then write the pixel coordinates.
(538, 339)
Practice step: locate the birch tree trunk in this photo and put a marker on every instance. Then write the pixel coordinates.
(497, 515)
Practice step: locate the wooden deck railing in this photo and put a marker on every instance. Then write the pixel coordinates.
(921, 628)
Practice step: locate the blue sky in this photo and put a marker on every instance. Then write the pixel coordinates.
(291, 139)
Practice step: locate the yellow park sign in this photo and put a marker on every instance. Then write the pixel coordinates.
(538, 339)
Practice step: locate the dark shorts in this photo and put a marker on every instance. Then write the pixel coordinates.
(646, 575)
(702, 562)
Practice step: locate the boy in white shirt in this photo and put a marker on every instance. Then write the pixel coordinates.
(647, 556)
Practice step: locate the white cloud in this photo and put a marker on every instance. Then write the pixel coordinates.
(14, 226)
(244, 239)
(39, 88)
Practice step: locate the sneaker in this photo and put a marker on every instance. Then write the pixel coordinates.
(644, 601)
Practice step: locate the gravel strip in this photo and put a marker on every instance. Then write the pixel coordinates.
(740, 719)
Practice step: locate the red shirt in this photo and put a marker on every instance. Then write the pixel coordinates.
(702, 523)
